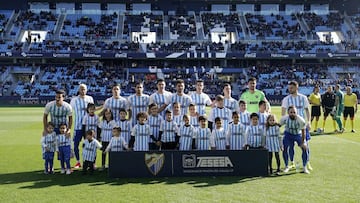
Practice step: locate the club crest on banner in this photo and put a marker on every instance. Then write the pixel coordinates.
(154, 162)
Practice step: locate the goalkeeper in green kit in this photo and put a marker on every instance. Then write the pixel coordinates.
(339, 107)
(253, 96)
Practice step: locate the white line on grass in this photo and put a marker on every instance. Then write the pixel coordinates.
(345, 140)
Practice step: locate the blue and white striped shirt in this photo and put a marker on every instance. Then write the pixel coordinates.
(116, 144)
(184, 100)
(79, 106)
(186, 133)
(236, 136)
(115, 105)
(106, 130)
(138, 104)
(262, 119)
(178, 119)
(58, 114)
(245, 118)
(293, 127)
(126, 128)
(160, 100)
(225, 115)
(231, 104)
(202, 138)
(300, 101)
(49, 141)
(272, 134)
(62, 140)
(200, 100)
(89, 150)
(194, 121)
(218, 139)
(155, 122)
(142, 137)
(91, 122)
(169, 129)
(254, 135)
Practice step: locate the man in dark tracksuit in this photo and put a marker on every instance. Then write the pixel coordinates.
(328, 104)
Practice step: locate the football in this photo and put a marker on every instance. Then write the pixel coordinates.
(319, 130)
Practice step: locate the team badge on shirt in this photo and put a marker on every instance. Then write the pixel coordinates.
(154, 162)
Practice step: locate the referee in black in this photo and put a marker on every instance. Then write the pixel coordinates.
(328, 103)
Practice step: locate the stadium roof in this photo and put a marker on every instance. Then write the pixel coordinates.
(350, 6)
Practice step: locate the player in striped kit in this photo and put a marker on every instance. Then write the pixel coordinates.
(141, 134)
(138, 102)
(220, 111)
(187, 134)
(229, 102)
(255, 133)
(48, 144)
(200, 99)
(301, 103)
(202, 138)
(235, 137)
(154, 121)
(294, 132)
(298, 100)
(194, 116)
(218, 136)
(262, 114)
(177, 114)
(125, 126)
(89, 151)
(181, 97)
(168, 137)
(106, 125)
(273, 141)
(244, 114)
(60, 112)
(63, 143)
(116, 102)
(117, 143)
(91, 121)
(79, 105)
(161, 97)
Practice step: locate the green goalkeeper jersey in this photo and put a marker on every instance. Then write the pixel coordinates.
(340, 96)
(252, 100)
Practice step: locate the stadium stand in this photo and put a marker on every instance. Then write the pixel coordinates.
(182, 27)
(267, 37)
(144, 21)
(230, 22)
(90, 26)
(275, 27)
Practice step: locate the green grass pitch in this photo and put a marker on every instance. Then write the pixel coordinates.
(334, 157)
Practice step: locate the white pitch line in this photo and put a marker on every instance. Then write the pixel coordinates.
(346, 140)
